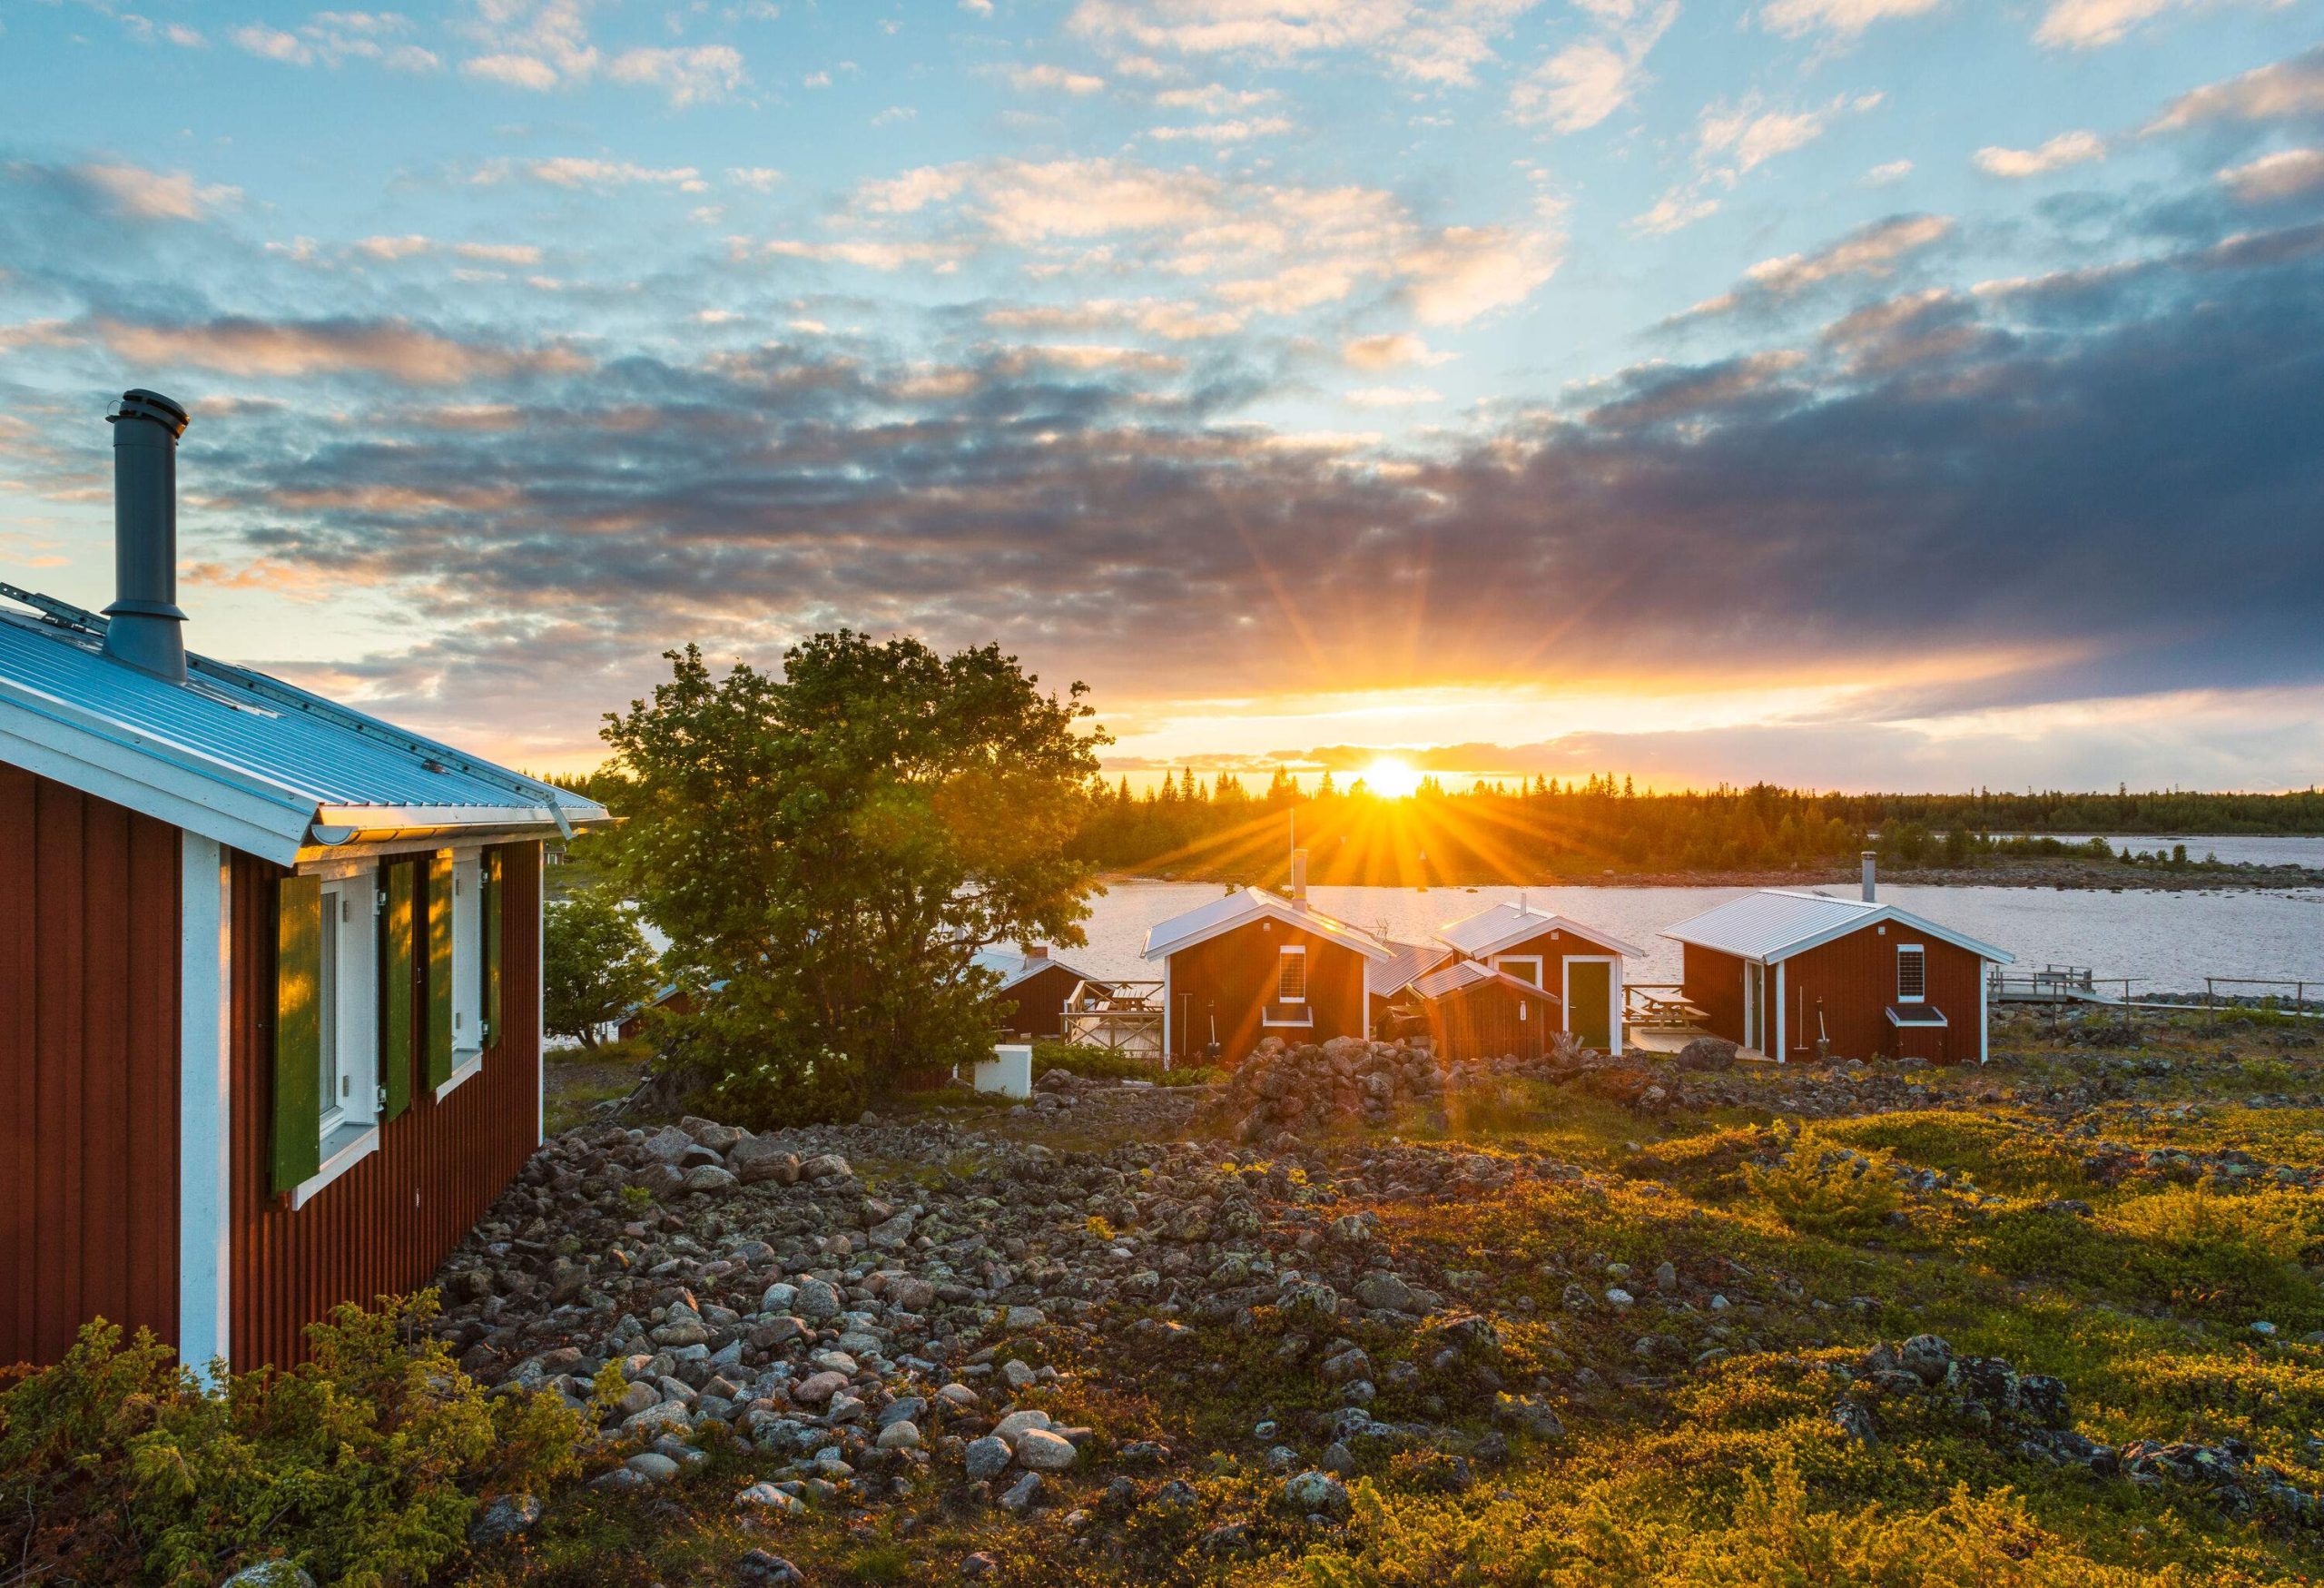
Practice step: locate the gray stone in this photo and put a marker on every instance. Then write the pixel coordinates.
(654, 1464)
(621, 1480)
(270, 1574)
(1043, 1450)
(826, 1166)
(1020, 1495)
(759, 1569)
(764, 1500)
(986, 1457)
(655, 1419)
(1386, 1292)
(758, 1161)
(900, 1436)
(1316, 1493)
(1016, 1422)
(816, 1301)
(509, 1516)
(668, 1144)
(1928, 1357)
(709, 1180)
(818, 1387)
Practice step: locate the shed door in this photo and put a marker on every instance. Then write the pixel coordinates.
(1589, 997)
(1755, 1006)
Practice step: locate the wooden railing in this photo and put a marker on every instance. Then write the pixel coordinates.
(1119, 1017)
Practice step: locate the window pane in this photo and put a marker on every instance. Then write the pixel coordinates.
(1291, 978)
(328, 1002)
(1912, 974)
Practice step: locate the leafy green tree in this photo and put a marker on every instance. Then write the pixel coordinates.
(834, 843)
(597, 966)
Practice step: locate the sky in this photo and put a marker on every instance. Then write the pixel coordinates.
(1867, 394)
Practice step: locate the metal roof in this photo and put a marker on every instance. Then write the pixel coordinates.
(1012, 966)
(238, 756)
(1775, 924)
(1490, 931)
(1463, 974)
(1412, 961)
(1245, 905)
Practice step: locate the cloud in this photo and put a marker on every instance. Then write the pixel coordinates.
(515, 70)
(390, 249)
(1390, 396)
(155, 195)
(1440, 42)
(395, 349)
(1175, 319)
(1872, 250)
(331, 38)
(2285, 91)
(572, 171)
(2086, 23)
(1586, 81)
(1049, 79)
(1895, 170)
(1234, 131)
(1749, 138)
(535, 44)
(1842, 18)
(2288, 174)
(1389, 350)
(2065, 149)
(513, 253)
(695, 75)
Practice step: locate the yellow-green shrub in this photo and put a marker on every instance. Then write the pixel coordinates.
(363, 1465)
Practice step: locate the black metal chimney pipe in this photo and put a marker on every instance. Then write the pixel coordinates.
(146, 630)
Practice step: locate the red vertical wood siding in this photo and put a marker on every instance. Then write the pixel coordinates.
(1039, 1000)
(89, 902)
(1483, 1022)
(1232, 976)
(381, 1228)
(1854, 977)
(1554, 947)
(1714, 984)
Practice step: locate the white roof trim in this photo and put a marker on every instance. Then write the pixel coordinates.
(1531, 925)
(1868, 916)
(1210, 920)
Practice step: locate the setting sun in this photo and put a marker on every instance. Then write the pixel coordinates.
(1392, 779)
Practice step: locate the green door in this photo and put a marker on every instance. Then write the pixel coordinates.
(1590, 1000)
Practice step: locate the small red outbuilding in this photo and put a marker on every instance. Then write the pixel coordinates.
(1253, 965)
(1782, 972)
(1580, 967)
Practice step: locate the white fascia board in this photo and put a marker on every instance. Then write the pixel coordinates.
(1542, 926)
(1324, 927)
(144, 777)
(1888, 912)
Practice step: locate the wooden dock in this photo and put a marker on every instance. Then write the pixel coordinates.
(2077, 984)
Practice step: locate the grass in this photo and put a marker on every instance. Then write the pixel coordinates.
(579, 1079)
(1710, 1460)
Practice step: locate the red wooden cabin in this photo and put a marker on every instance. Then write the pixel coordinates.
(1253, 965)
(1470, 1011)
(1580, 965)
(1780, 972)
(1034, 987)
(269, 974)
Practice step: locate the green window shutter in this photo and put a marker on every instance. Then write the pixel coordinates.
(297, 1148)
(395, 980)
(439, 970)
(489, 913)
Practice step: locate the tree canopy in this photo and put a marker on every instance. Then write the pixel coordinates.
(834, 843)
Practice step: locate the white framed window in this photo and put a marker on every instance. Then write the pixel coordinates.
(467, 959)
(1911, 973)
(1526, 968)
(347, 997)
(1291, 974)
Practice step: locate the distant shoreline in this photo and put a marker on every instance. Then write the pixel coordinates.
(2083, 875)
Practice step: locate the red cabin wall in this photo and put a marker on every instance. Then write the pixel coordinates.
(1855, 978)
(1483, 1022)
(1554, 949)
(1039, 1000)
(381, 1228)
(1232, 975)
(1714, 983)
(89, 900)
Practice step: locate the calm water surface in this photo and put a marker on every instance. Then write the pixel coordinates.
(2171, 939)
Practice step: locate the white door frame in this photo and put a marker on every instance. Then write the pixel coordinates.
(1613, 963)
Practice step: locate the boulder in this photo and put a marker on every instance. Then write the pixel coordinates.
(1043, 1450)
(1707, 1054)
(756, 1160)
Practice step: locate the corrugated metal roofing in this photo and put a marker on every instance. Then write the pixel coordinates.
(315, 764)
(1205, 921)
(1012, 966)
(1462, 974)
(1508, 922)
(1412, 961)
(1776, 923)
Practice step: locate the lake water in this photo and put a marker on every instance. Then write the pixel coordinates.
(2267, 850)
(2171, 939)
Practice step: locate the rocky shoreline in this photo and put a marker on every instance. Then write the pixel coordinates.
(2060, 873)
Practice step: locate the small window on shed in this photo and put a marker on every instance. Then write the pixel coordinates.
(1912, 973)
(1291, 975)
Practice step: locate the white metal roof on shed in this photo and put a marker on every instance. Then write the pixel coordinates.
(1245, 905)
(1412, 961)
(240, 758)
(1465, 973)
(1012, 965)
(1779, 923)
(1490, 931)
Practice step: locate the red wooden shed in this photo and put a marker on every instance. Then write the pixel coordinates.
(1471, 1010)
(1581, 965)
(1782, 972)
(269, 974)
(1034, 987)
(1253, 965)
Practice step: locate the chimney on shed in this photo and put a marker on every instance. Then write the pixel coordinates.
(1869, 855)
(1299, 878)
(146, 630)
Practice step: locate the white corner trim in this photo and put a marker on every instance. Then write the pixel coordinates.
(356, 1143)
(540, 992)
(461, 1071)
(205, 1101)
